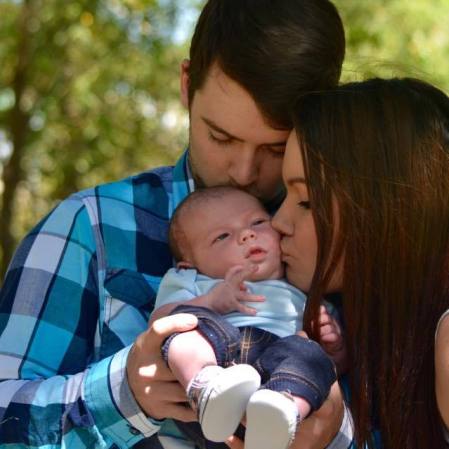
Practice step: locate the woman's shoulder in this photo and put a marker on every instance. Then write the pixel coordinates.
(442, 369)
(443, 324)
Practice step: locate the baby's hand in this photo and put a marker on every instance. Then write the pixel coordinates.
(331, 339)
(227, 296)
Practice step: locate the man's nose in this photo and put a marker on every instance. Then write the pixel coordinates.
(247, 235)
(243, 171)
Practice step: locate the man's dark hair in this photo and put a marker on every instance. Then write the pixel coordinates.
(275, 49)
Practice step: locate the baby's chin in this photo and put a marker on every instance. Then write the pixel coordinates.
(264, 273)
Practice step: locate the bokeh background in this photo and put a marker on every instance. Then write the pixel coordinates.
(89, 88)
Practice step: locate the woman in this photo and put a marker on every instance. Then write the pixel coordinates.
(367, 215)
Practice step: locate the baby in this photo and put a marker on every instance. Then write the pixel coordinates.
(241, 358)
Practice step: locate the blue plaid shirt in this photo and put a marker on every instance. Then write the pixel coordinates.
(78, 292)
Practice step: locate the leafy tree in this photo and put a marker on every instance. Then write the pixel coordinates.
(88, 93)
(396, 38)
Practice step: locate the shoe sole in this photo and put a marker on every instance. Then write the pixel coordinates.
(226, 402)
(270, 421)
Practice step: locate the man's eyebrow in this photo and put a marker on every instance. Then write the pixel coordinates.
(215, 127)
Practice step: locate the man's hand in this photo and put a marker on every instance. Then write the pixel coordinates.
(228, 295)
(153, 385)
(317, 430)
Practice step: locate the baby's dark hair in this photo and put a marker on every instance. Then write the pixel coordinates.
(177, 238)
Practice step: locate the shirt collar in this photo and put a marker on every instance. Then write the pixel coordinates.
(183, 183)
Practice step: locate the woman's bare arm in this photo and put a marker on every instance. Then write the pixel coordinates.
(442, 369)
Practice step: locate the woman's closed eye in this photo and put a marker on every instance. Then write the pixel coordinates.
(276, 150)
(304, 204)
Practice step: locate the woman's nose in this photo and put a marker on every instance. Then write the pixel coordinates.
(281, 222)
(246, 235)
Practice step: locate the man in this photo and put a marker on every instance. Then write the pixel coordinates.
(79, 367)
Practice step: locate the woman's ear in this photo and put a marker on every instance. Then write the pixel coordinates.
(184, 265)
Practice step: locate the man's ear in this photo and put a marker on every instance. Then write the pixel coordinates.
(184, 264)
(184, 83)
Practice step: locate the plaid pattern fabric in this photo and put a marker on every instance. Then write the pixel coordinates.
(78, 291)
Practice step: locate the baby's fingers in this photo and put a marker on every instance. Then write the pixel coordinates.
(327, 329)
(330, 338)
(236, 275)
(245, 309)
(250, 297)
(324, 318)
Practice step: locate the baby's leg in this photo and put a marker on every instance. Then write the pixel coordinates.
(304, 408)
(219, 394)
(188, 354)
(272, 418)
(299, 376)
(300, 367)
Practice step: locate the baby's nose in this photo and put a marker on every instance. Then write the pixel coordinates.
(247, 234)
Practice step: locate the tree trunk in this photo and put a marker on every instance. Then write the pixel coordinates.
(13, 172)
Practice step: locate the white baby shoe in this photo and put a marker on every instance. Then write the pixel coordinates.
(220, 395)
(271, 419)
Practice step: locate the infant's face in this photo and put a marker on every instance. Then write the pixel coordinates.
(233, 230)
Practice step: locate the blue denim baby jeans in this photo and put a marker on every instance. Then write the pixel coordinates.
(291, 364)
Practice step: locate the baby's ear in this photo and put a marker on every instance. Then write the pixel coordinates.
(184, 264)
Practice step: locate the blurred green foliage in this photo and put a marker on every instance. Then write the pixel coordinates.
(396, 38)
(89, 88)
(88, 93)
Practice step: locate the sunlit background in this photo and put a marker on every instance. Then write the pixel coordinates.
(89, 88)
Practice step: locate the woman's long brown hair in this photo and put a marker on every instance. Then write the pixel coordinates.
(379, 151)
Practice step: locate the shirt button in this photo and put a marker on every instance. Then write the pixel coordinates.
(133, 430)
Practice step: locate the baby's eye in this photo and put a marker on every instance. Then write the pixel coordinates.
(259, 221)
(221, 237)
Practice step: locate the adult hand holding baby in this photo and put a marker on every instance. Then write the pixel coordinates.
(152, 383)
